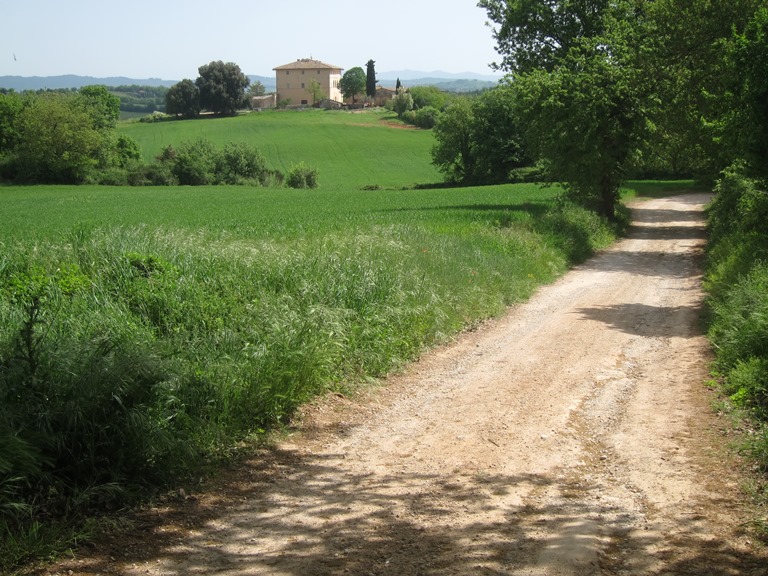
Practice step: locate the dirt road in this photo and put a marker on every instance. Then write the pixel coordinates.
(574, 436)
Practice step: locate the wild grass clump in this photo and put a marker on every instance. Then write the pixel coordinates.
(737, 285)
(302, 176)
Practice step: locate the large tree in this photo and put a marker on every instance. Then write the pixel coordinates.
(577, 88)
(222, 87)
(370, 79)
(101, 105)
(586, 120)
(535, 34)
(746, 124)
(453, 152)
(352, 83)
(479, 140)
(183, 99)
(59, 142)
(684, 58)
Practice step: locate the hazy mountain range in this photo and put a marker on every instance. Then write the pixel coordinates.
(465, 81)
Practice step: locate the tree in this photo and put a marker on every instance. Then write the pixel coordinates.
(315, 90)
(222, 87)
(352, 83)
(684, 56)
(478, 140)
(11, 105)
(102, 106)
(535, 34)
(256, 89)
(746, 125)
(499, 140)
(59, 142)
(585, 119)
(398, 85)
(424, 96)
(453, 149)
(402, 102)
(183, 99)
(370, 79)
(578, 88)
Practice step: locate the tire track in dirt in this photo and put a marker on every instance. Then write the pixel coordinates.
(573, 436)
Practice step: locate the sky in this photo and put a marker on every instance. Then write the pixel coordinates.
(171, 39)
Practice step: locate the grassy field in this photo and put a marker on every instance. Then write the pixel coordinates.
(350, 149)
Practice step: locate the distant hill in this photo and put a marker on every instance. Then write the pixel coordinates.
(451, 82)
(268, 82)
(71, 81)
(413, 75)
(466, 85)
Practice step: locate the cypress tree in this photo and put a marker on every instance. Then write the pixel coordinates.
(370, 80)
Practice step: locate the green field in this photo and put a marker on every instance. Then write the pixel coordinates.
(350, 149)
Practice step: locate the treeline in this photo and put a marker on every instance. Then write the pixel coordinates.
(69, 137)
(142, 99)
(132, 98)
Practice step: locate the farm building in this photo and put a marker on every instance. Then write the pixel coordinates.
(295, 81)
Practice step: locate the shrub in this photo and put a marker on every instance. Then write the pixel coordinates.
(737, 285)
(426, 117)
(195, 163)
(302, 176)
(239, 162)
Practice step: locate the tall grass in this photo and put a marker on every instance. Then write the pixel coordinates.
(133, 352)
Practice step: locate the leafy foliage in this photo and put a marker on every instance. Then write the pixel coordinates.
(183, 99)
(737, 283)
(479, 140)
(222, 87)
(747, 123)
(352, 82)
(370, 79)
(302, 176)
(402, 102)
(537, 34)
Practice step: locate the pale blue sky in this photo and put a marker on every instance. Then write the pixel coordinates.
(171, 39)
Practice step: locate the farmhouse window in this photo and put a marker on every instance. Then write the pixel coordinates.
(302, 84)
(304, 102)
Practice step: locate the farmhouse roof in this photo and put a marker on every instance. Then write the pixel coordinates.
(307, 64)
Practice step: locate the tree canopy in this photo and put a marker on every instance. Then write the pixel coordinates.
(536, 34)
(370, 79)
(222, 87)
(352, 82)
(183, 99)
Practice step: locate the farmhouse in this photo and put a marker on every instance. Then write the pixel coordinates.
(307, 81)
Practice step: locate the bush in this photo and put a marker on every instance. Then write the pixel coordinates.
(427, 117)
(239, 162)
(302, 176)
(195, 163)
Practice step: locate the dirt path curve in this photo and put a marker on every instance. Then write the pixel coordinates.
(574, 436)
